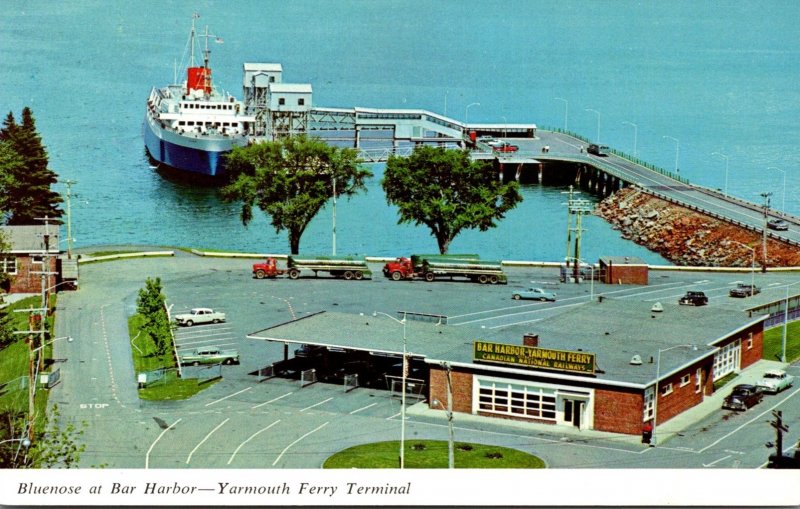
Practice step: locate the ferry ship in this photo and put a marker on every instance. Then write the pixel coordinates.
(191, 126)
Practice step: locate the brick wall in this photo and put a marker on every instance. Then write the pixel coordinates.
(627, 274)
(681, 398)
(618, 410)
(462, 389)
(26, 282)
(753, 353)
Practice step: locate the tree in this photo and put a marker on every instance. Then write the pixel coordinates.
(150, 305)
(58, 446)
(290, 180)
(447, 192)
(26, 180)
(6, 322)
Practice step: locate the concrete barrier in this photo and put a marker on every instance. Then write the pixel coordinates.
(120, 256)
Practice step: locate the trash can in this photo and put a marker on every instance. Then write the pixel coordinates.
(647, 433)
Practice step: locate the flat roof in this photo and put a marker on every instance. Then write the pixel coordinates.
(622, 260)
(290, 87)
(614, 330)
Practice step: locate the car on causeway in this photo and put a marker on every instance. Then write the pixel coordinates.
(744, 290)
(742, 397)
(778, 225)
(775, 380)
(199, 315)
(534, 294)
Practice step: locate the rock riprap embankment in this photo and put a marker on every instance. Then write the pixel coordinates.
(686, 237)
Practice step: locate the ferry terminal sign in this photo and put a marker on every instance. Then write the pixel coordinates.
(534, 357)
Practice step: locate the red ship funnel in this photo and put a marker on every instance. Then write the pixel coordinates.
(199, 78)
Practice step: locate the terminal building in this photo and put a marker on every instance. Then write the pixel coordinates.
(608, 365)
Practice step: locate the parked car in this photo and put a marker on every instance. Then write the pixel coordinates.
(693, 299)
(534, 294)
(199, 315)
(775, 380)
(777, 224)
(209, 355)
(494, 142)
(743, 397)
(744, 290)
(505, 147)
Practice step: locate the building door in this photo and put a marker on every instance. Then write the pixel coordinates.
(573, 411)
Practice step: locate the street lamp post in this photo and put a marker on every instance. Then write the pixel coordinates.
(783, 195)
(505, 126)
(466, 112)
(726, 170)
(635, 135)
(752, 265)
(578, 261)
(766, 197)
(403, 381)
(449, 410)
(566, 110)
(677, 151)
(654, 440)
(598, 123)
(334, 216)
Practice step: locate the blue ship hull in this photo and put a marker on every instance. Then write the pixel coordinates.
(195, 160)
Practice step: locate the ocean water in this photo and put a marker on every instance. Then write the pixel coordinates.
(715, 76)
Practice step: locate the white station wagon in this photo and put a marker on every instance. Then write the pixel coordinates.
(199, 315)
(775, 380)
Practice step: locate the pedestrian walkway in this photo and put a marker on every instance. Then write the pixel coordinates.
(665, 431)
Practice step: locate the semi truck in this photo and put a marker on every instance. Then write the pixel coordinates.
(432, 267)
(346, 267)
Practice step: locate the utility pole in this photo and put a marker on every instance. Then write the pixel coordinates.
(69, 184)
(776, 460)
(577, 207)
(766, 197)
(450, 441)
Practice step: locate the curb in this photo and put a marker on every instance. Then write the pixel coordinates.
(144, 254)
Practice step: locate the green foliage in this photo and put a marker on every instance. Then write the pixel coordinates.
(25, 179)
(150, 305)
(58, 446)
(447, 192)
(290, 180)
(773, 343)
(431, 454)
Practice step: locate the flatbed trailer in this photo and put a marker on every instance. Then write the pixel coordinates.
(345, 267)
(475, 270)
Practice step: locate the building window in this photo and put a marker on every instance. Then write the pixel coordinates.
(37, 260)
(281, 101)
(8, 265)
(685, 379)
(518, 400)
(649, 403)
(726, 361)
(666, 389)
(301, 102)
(698, 380)
(750, 341)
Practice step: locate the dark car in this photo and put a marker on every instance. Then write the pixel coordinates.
(597, 150)
(693, 299)
(743, 397)
(744, 290)
(777, 224)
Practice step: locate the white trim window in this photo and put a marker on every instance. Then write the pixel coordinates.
(698, 380)
(685, 379)
(516, 399)
(8, 265)
(727, 360)
(649, 403)
(666, 389)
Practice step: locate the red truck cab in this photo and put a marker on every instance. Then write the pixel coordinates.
(267, 269)
(400, 268)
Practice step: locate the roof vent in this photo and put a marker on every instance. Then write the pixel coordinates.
(636, 360)
(657, 308)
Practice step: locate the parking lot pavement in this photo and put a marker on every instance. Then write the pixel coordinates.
(322, 417)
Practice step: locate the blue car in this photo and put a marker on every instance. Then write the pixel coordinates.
(534, 294)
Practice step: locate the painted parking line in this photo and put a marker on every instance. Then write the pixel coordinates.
(206, 438)
(363, 408)
(270, 401)
(393, 416)
(228, 396)
(316, 404)
(147, 456)
(250, 438)
(296, 441)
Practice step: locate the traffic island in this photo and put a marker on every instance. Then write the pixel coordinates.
(432, 454)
